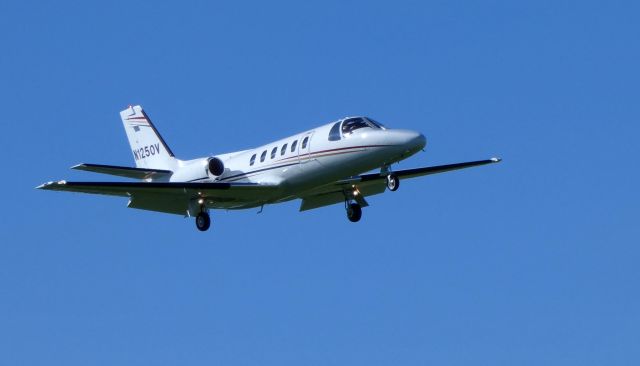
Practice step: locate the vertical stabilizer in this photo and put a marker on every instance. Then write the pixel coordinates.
(148, 147)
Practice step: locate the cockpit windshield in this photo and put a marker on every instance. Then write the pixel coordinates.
(376, 123)
(351, 124)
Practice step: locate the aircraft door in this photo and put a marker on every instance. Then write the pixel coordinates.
(304, 148)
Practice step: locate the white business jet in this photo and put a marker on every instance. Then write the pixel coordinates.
(322, 166)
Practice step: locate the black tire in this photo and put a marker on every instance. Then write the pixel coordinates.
(393, 183)
(354, 212)
(203, 221)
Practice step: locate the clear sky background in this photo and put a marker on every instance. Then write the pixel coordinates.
(530, 262)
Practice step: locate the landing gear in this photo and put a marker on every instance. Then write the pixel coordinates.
(393, 183)
(203, 221)
(354, 212)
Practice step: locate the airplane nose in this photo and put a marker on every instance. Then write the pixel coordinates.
(410, 142)
(413, 140)
(419, 141)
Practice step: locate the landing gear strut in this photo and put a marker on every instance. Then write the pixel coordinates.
(393, 183)
(354, 211)
(203, 221)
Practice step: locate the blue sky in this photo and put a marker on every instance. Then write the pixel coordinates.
(533, 261)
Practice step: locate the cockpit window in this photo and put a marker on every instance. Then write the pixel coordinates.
(376, 123)
(334, 134)
(352, 124)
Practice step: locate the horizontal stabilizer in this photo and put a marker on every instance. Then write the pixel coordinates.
(123, 171)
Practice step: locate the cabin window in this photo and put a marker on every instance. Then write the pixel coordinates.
(304, 142)
(273, 152)
(253, 159)
(283, 150)
(334, 134)
(293, 146)
(263, 156)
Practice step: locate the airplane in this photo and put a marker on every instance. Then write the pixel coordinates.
(322, 166)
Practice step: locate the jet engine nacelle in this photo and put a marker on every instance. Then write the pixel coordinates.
(198, 169)
(215, 166)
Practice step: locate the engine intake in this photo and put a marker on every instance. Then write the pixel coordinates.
(216, 167)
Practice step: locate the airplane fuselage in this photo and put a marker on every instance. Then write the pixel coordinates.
(305, 161)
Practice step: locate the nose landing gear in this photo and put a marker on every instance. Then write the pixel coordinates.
(393, 183)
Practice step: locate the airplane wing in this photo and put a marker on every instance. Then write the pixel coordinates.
(123, 171)
(375, 183)
(418, 172)
(173, 197)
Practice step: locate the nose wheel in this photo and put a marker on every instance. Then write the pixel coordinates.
(393, 183)
(203, 221)
(354, 212)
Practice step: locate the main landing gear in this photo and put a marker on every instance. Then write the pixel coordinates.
(354, 201)
(203, 221)
(354, 211)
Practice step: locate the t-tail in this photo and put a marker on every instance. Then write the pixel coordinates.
(148, 147)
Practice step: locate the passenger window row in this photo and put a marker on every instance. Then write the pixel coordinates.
(283, 150)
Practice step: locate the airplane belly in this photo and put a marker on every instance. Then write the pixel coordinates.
(353, 162)
(324, 170)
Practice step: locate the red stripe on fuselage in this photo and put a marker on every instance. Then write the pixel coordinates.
(315, 153)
